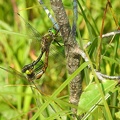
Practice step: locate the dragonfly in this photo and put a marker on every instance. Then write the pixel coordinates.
(45, 42)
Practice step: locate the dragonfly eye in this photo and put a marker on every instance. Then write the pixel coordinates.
(50, 32)
(28, 72)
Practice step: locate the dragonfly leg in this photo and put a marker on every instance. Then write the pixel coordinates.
(42, 71)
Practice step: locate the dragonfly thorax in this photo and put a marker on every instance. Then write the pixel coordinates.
(46, 42)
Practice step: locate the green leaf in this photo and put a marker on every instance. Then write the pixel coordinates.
(91, 95)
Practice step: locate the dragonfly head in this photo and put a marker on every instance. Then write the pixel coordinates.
(52, 31)
(30, 74)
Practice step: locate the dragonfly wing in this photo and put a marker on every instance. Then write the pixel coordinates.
(31, 30)
(57, 49)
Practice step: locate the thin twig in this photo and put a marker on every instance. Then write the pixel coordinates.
(113, 33)
(100, 75)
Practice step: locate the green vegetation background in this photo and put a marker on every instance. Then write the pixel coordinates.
(15, 50)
